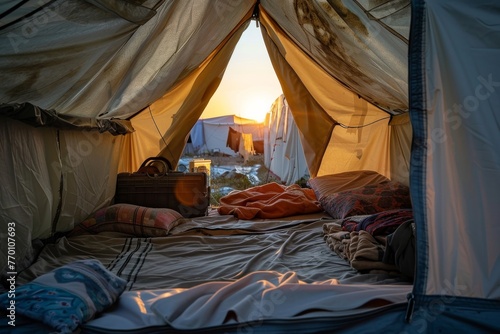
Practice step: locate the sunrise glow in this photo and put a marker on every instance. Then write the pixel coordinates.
(255, 108)
(249, 86)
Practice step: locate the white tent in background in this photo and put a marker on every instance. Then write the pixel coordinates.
(283, 151)
(210, 135)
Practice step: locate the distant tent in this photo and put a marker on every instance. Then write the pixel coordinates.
(212, 135)
(283, 151)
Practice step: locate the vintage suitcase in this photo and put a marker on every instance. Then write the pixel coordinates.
(152, 186)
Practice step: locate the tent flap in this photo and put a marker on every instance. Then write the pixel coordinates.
(454, 170)
(130, 11)
(363, 54)
(35, 116)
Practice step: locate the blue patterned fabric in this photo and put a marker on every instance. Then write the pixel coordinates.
(67, 296)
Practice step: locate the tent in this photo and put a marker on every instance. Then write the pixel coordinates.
(283, 151)
(406, 88)
(211, 135)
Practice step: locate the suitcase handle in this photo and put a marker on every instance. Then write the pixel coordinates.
(167, 166)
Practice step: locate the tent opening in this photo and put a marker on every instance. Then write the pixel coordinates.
(249, 85)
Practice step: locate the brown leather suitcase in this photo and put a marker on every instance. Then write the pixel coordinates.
(150, 186)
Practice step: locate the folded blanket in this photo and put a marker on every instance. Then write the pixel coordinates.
(270, 200)
(363, 251)
(336, 239)
(366, 254)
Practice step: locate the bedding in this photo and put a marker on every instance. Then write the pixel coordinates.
(68, 296)
(327, 185)
(229, 250)
(243, 306)
(400, 249)
(130, 219)
(369, 199)
(270, 200)
(263, 295)
(363, 251)
(280, 238)
(381, 223)
(368, 242)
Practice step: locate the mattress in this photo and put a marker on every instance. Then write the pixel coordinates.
(211, 271)
(205, 249)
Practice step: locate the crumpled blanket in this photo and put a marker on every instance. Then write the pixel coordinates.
(270, 200)
(266, 295)
(381, 223)
(362, 250)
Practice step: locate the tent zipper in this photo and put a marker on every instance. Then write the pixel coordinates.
(410, 307)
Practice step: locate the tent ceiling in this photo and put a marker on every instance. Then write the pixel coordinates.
(110, 59)
(91, 59)
(365, 53)
(162, 60)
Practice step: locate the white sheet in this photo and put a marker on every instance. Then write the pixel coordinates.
(255, 297)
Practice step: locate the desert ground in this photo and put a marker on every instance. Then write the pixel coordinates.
(229, 173)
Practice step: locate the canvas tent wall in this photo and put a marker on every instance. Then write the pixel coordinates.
(112, 66)
(210, 135)
(283, 151)
(455, 162)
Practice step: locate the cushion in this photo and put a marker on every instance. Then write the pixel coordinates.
(67, 296)
(326, 185)
(138, 221)
(367, 200)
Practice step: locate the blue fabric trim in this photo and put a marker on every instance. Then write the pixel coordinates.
(418, 117)
(451, 314)
(466, 302)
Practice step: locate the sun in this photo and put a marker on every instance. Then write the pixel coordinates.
(256, 108)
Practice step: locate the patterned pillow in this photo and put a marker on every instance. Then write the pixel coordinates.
(326, 185)
(138, 221)
(67, 296)
(367, 200)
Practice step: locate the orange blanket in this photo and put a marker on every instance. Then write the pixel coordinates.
(270, 200)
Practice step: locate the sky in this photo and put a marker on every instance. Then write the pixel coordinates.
(249, 86)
